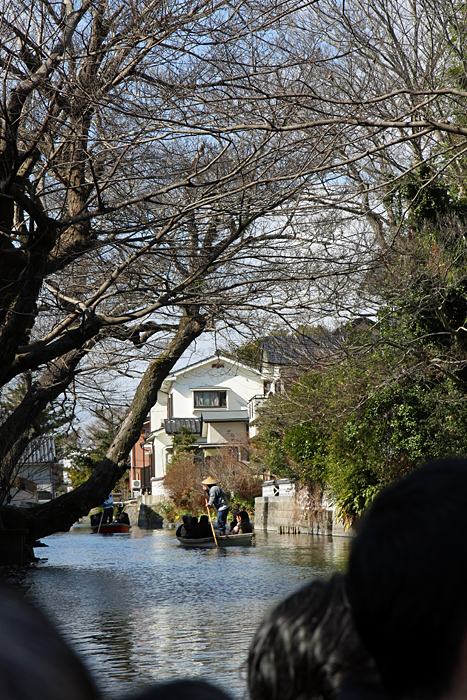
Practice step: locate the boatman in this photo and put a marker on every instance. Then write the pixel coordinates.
(217, 498)
(108, 506)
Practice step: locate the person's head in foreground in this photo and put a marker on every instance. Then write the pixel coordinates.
(183, 689)
(307, 648)
(35, 662)
(407, 582)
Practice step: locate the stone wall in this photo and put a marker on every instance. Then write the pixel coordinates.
(143, 515)
(293, 511)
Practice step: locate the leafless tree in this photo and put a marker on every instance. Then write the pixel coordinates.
(136, 189)
(165, 167)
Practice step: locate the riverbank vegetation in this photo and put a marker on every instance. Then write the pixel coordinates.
(231, 465)
(395, 395)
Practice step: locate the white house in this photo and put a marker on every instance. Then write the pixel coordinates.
(214, 398)
(217, 398)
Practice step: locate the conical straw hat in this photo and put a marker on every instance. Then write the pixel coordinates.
(209, 481)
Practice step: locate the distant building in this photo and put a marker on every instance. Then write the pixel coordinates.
(141, 468)
(34, 481)
(286, 357)
(211, 398)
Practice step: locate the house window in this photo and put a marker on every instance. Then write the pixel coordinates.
(278, 387)
(170, 406)
(210, 399)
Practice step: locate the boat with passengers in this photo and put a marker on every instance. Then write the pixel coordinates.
(245, 540)
(110, 528)
(119, 525)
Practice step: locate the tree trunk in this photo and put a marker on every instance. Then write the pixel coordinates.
(60, 514)
(17, 430)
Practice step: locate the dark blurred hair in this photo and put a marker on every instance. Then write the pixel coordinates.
(244, 515)
(307, 647)
(182, 690)
(35, 662)
(407, 579)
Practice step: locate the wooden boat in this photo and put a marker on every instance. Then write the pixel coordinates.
(111, 528)
(245, 540)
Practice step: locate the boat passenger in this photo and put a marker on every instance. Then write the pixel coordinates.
(243, 525)
(184, 530)
(217, 498)
(203, 528)
(122, 517)
(235, 518)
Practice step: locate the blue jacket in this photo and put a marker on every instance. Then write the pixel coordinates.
(109, 502)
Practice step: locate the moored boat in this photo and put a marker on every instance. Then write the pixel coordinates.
(111, 528)
(245, 540)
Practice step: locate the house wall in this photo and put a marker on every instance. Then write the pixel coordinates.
(138, 456)
(158, 492)
(22, 491)
(224, 432)
(42, 476)
(253, 405)
(241, 385)
(141, 460)
(161, 443)
(159, 411)
(23, 496)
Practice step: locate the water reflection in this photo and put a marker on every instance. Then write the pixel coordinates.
(139, 608)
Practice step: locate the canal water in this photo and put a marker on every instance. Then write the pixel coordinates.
(139, 608)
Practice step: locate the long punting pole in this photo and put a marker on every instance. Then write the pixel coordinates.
(212, 526)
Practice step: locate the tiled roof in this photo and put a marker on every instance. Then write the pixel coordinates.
(173, 425)
(41, 450)
(224, 416)
(298, 349)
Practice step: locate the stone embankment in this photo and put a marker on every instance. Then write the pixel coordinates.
(288, 510)
(144, 516)
(140, 514)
